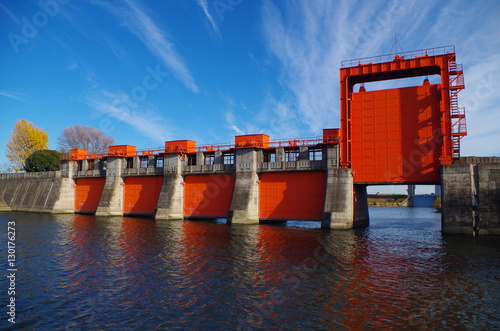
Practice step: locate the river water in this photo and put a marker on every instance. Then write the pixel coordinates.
(77, 272)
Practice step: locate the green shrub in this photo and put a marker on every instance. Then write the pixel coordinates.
(44, 160)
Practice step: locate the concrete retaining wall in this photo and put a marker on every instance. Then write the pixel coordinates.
(489, 198)
(50, 192)
(471, 197)
(3, 205)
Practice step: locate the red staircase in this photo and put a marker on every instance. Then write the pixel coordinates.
(458, 122)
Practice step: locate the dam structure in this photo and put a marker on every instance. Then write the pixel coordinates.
(408, 136)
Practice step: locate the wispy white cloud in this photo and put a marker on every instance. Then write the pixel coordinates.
(16, 96)
(156, 41)
(72, 66)
(135, 19)
(11, 14)
(478, 48)
(204, 6)
(118, 105)
(309, 39)
(230, 120)
(234, 118)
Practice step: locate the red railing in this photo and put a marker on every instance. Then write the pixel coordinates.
(292, 142)
(399, 56)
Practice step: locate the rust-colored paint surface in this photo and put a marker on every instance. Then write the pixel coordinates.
(141, 194)
(88, 192)
(122, 150)
(77, 154)
(180, 146)
(396, 135)
(292, 195)
(250, 140)
(208, 195)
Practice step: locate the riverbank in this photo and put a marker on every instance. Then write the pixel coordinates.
(387, 200)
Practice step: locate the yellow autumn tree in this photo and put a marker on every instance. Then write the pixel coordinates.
(25, 139)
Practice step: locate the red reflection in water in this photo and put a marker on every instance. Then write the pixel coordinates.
(203, 242)
(370, 290)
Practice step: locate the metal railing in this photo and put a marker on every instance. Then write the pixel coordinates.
(223, 147)
(399, 56)
(291, 165)
(29, 175)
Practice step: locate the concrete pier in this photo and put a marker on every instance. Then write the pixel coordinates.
(346, 204)
(111, 203)
(171, 200)
(361, 214)
(245, 202)
(339, 200)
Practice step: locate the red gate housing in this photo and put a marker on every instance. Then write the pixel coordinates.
(292, 195)
(208, 195)
(88, 192)
(396, 135)
(376, 124)
(141, 194)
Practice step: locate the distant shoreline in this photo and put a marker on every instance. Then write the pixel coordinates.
(387, 200)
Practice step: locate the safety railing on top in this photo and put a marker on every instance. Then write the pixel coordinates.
(399, 56)
(29, 175)
(292, 142)
(141, 152)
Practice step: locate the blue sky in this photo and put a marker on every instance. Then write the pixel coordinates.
(207, 70)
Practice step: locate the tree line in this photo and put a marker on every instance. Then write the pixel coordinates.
(28, 145)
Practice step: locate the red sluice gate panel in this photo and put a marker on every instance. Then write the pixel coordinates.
(141, 194)
(396, 135)
(88, 192)
(292, 195)
(208, 195)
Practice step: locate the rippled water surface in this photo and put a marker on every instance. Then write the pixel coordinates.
(79, 272)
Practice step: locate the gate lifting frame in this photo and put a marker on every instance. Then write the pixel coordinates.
(440, 61)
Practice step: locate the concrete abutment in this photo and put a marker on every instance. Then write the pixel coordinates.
(471, 196)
